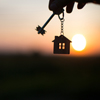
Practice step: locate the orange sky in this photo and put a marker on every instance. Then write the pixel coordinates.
(19, 19)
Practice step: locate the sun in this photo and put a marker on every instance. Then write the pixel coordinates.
(78, 42)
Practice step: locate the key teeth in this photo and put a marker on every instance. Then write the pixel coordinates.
(41, 30)
(38, 28)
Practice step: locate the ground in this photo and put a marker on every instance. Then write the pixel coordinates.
(36, 77)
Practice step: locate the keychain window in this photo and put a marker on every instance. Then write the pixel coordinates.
(63, 45)
(59, 45)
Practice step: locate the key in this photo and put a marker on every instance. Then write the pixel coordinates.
(41, 29)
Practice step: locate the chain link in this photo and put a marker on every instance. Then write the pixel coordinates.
(62, 23)
(62, 27)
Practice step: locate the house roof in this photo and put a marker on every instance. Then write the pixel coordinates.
(61, 36)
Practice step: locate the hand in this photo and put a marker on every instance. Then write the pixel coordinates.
(59, 4)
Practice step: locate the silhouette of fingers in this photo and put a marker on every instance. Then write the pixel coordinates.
(69, 7)
(59, 4)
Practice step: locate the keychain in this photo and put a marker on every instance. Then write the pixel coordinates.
(61, 43)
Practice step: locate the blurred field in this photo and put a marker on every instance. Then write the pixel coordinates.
(37, 77)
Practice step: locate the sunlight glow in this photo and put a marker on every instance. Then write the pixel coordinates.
(78, 42)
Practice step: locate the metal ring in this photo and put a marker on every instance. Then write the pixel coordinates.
(62, 16)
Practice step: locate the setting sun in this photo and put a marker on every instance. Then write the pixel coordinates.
(78, 42)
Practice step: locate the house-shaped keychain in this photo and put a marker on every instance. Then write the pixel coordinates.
(61, 45)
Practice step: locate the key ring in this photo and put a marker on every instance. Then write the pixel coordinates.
(62, 16)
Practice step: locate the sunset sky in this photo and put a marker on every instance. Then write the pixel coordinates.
(19, 19)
